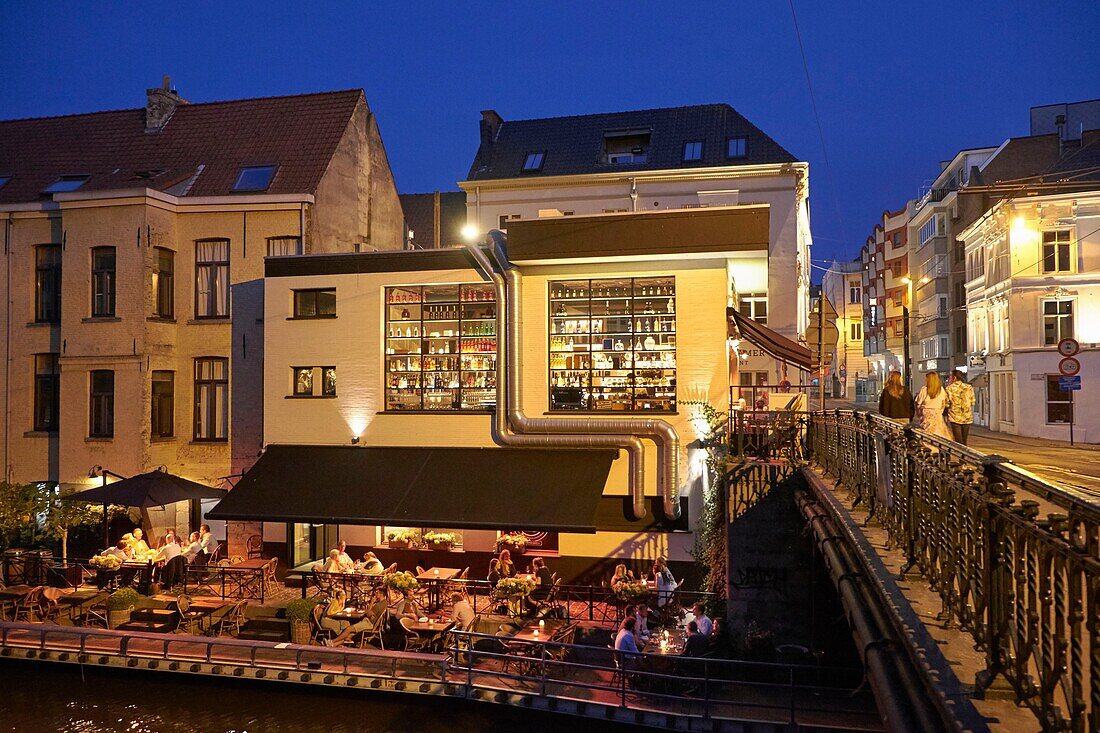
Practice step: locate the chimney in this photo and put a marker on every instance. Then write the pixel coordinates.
(160, 104)
(490, 124)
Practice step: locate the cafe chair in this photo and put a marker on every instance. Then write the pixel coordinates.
(373, 633)
(27, 607)
(254, 546)
(318, 633)
(391, 569)
(414, 642)
(232, 622)
(215, 555)
(419, 570)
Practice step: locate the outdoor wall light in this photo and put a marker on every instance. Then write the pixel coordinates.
(355, 440)
(469, 232)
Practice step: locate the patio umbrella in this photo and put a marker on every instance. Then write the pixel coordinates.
(155, 488)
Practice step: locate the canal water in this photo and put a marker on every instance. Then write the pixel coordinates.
(40, 697)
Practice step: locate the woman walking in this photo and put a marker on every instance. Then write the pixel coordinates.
(931, 403)
(896, 401)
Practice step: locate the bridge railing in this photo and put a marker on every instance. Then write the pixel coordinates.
(1014, 559)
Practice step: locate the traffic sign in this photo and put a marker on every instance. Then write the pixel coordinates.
(1069, 384)
(1068, 347)
(1069, 366)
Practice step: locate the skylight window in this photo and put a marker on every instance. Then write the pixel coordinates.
(64, 184)
(693, 151)
(533, 162)
(254, 178)
(736, 147)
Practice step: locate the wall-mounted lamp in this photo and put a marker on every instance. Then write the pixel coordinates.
(355, 440)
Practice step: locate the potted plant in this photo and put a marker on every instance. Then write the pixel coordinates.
(441, 540)
(400, 539)
(119, 605)
(632, 592)
(400, 582)
(513, 591)
(514, 542)
(298, 612)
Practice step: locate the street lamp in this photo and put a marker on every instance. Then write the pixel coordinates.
(469, 232)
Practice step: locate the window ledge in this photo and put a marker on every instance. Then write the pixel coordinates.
(310, 397)
(211, 441)
(39, 433)
(90, 439)
(162, 439)
(161, 319)
(42, 324)
(100, 319)
(312, 318)
(209, 321)
(448, 411)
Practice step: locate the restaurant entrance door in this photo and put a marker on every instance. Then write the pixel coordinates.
(311, 542)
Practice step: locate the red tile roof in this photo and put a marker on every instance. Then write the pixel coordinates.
(297, 133)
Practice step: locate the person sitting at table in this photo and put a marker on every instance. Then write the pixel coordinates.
(462, 612)
(625, 640)
(193, 549)
(507, 567)
(128, 538)
(544, 580)
(169, 536)
(494, 575)
(169, 550)
(345, 630)
(206, 539)
(372, 565)
(333, 564)
(702, 621)
(347, 565)
(169, 572)
(641, 622)
(621, 577)
(697, 645)
(139, 547)
(119, 551)
(665, 580)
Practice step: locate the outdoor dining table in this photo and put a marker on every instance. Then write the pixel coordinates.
(350, 614)
(545, 633)
(76, 600)
(432, 627)
(15, 592)
(435, 578)
(674, 646)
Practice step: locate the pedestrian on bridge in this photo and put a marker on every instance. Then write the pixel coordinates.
(896, 401)
(931, 405)
(960, 406)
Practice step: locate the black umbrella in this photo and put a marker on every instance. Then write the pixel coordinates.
(155, 488)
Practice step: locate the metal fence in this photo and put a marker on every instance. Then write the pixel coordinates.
(1014, 559)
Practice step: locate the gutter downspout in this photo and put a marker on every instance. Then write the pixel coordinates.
(7, 350)
(659, 431)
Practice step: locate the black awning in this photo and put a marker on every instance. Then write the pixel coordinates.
(461, 488)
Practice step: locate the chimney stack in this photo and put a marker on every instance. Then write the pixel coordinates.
(160, 104)
(490, 124)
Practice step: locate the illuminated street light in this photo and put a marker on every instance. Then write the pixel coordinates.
(469, 232)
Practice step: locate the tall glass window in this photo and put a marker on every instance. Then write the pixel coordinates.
(211, 399)
(47, 283)
(1057, 321)
(103, 281)
(102, 407)
(47, 391)
(212, 278)
(441, 347)
(613, 344)
(163, 404)
(164, 281)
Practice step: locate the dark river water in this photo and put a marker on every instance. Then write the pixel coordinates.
(41, 697)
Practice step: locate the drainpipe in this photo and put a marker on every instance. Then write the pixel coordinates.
(624, 433)
(7, 351)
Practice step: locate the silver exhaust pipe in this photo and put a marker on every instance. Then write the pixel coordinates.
(513, 427)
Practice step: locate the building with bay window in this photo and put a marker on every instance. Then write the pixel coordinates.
(136, 240)
(620, 317)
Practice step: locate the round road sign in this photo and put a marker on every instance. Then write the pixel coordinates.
(1068, 347)
(1069, 366)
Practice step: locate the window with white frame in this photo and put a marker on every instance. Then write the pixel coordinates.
(211, 399)
(754, 306)
(1057, 251)
(934, 227)
(212, 278)
(1057, 321)
(284, 246)
(855, 294)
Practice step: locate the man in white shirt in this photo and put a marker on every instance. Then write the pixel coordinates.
(372, 565)
(119, 551)
(170, 550)
(463, 612)
(343, 559)
(641, 622)
(194, 547)
(706, 626)
(206, 539)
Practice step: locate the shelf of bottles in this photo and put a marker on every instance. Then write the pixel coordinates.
(613, 344)
(441, 347)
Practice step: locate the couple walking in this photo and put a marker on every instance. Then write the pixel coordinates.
(945, 412)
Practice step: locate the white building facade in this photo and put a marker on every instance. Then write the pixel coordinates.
(842, 285)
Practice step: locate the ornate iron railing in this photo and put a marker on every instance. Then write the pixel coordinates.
(1014, 559)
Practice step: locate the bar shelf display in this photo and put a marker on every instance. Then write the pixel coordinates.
(612, 344)
(441, 347)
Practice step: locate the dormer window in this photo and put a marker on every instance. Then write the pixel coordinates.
(254, 178)
(533, 162)
(626, 146)
(693, 151)
(64, 184)
(736, 147)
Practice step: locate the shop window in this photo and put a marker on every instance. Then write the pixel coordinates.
(1059, 405)
(441, 347)
(613, 344)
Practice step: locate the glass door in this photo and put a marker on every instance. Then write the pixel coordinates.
(311, 542)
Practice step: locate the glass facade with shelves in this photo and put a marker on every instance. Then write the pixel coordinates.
(613, 344)
(441, 347)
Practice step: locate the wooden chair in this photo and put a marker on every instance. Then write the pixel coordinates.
(318, 633)
(29, 606)
(231, 623)
(414, 642)
(373, 633)
(419, 570)
(391, 569)
(254, 546)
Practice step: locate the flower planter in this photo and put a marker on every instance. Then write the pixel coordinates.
(440, 546)
(116, 618)
(398, 544)
(299, 631)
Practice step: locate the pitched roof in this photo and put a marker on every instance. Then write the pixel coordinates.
(298, 133)
(575, 145)
(419, 210)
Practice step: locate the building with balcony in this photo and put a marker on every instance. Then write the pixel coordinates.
(135, 241)
(884, 258)
(615, 164)
(842, 285)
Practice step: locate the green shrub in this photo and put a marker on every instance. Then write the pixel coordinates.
(123, 599)
(300, 609)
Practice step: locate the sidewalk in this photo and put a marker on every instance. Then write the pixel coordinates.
(987, 434)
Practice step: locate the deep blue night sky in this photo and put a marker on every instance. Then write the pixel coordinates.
(899, 86)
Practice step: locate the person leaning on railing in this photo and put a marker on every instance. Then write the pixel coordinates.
(896, 401)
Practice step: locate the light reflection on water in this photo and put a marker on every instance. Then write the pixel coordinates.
(42, 697)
